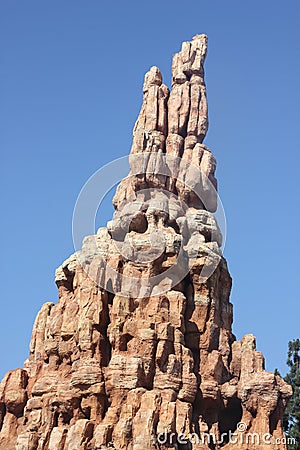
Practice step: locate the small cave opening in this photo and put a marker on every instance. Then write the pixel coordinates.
(86, 412)
(65, 417)
(139, 223)
(110, 292)
(110, 298)
(274, 419)
(104, 346)
(171, 222)
(55, 419)
(208, 236)
(229, 417)
(164, 307)
(124, 339)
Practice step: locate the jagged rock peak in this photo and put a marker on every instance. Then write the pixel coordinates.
(138, 352)
(182, 112)
(174, 124)
(152, 78)
(190, 60)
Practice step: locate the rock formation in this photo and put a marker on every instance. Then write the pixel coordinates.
(138, 352)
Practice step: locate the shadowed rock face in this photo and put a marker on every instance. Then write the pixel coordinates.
(139, 350)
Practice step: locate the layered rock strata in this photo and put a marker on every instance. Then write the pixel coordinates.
(138, 352)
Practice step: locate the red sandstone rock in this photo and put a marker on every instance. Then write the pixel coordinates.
(120, 359)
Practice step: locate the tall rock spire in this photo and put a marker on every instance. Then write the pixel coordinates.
(138, 353)
(187, 103)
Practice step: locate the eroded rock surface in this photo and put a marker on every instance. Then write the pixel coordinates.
(139, 347)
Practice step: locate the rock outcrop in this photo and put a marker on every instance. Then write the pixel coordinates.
(138, 352)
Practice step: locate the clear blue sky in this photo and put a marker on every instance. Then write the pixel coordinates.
(71, 79)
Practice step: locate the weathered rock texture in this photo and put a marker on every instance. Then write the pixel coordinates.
(119, 360)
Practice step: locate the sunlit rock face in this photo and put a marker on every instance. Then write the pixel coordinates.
(138, 352)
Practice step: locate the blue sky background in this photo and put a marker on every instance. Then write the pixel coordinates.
(71, 80)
